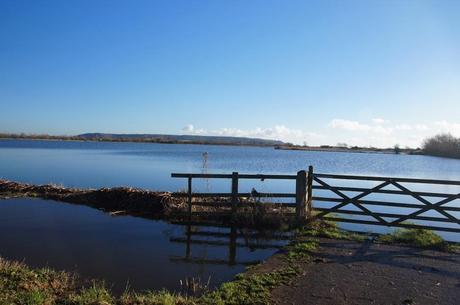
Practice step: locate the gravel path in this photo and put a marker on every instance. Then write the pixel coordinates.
(347, 272)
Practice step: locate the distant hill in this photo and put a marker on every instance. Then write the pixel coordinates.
(184, 139)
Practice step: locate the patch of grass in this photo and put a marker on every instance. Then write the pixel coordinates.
(248, 290)
(96, 294)
(162, 297)
(301, 250)
(22, 285)
(329, 229)
(416, 237)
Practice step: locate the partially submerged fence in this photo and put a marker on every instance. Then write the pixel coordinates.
(236, 199)
(396, 213)
(426, 208)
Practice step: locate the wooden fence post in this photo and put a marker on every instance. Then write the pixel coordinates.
(234, 192)
(309, 191)
(301, 195)
(189, 192)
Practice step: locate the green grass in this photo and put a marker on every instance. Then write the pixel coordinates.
(97, 293)
(328, 229)
(301, 250)
(421, 238)
(161, 297)
(22, 285)
(247, 290)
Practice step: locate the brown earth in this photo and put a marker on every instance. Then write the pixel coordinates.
(348, 272)
(110, 199)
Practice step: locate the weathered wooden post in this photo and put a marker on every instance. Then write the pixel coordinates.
(309, 191)
(189, 192)
(301, 195)
(234, 192)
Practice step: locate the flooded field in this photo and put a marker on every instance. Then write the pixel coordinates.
(124, 250)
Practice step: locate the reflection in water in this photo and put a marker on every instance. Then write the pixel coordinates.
(124, 250)
(250, 239)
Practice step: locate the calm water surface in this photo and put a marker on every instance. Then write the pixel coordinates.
(140, 251)
(123, 250)
(92, 164)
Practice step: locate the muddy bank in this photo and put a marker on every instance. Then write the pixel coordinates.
(159, 205)
(126, 199)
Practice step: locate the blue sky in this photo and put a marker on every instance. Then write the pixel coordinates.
(360, 72)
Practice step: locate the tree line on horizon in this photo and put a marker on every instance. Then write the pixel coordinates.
(442, 145)
(147, 138)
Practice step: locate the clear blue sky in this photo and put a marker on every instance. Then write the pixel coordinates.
(362, 72)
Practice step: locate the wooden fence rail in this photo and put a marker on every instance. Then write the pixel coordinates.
(235, 199)
(419, 204)
(426, 213)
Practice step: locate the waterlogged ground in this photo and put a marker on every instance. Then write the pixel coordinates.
(123, 250)
(145, 165)
(148, 254)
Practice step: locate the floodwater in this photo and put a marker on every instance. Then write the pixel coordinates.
(124, 250)
(145, 165)
(149, 254)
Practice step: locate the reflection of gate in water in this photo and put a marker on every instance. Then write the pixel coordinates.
(233, 239)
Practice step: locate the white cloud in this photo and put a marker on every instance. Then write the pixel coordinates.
(421, 127)
(379, 121)
(190, 129)
(444, 126)
(380, 133)
(403, 127)
(376, 132)
(357, 126)
(278, 132)
(348, 125)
